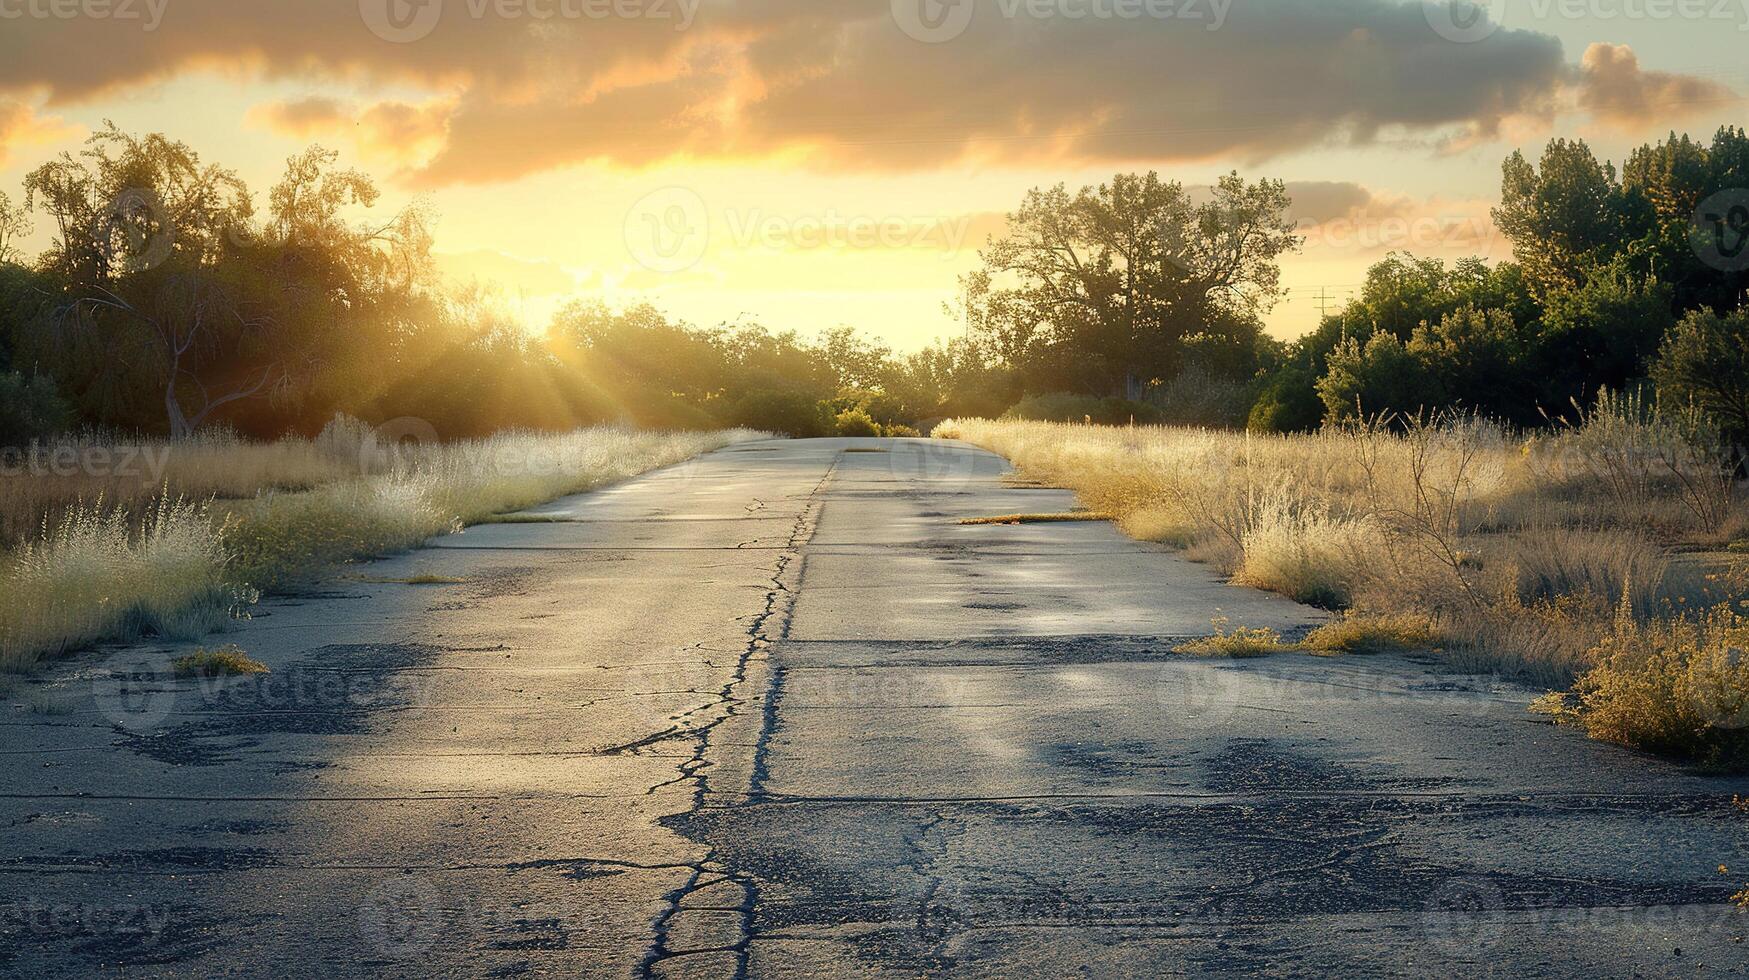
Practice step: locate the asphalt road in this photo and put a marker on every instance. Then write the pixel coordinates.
(776, 713)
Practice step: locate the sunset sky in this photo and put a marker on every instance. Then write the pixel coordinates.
(812, 163)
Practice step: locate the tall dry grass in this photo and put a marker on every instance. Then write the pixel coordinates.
(42, 485)
(228, 517)
(1526, 555)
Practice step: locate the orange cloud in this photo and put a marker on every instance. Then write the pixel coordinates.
(395, 131)
(303, 118)
(21, 126)
(1615, 89)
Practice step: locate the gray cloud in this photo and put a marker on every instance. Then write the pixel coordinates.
(838, 83)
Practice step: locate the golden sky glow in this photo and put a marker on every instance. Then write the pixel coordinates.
(810, 163)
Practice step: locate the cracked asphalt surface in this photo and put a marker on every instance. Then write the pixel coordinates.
(776, 713)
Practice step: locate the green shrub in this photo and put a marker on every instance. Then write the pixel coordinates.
(30, 409)
(1705, 361)
(789, 413)
(856, 423)
(1288, 403)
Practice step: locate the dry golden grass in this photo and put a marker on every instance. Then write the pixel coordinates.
(1074, 517)
(161, 565)
(1677, 686)
(1383, 633)
(1240, 643)
(42, 486)
(1515, 555)
(226, 661)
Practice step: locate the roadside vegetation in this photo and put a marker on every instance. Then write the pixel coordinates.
(226, 661)
(1532, 462)
(1590, 559)
(180, 557)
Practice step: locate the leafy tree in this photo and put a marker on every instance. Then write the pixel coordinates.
(858, 361)
(1098, 290)
(142, 226)
(1601, 335)
(1473, 359)
(954, 378)
(129, 204)
(14, 224)
(1562, 217)
(1705, 361)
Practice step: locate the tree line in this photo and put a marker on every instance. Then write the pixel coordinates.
(168, 300)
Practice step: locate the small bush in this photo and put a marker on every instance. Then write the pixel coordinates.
(1301, 552)
(1288, 403)
(1676, 687)
(226, 661)
(1705, 361)
(1198, 397)
(96, 576)
(857, 424)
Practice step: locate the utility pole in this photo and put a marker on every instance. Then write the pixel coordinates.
(1325, 300)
